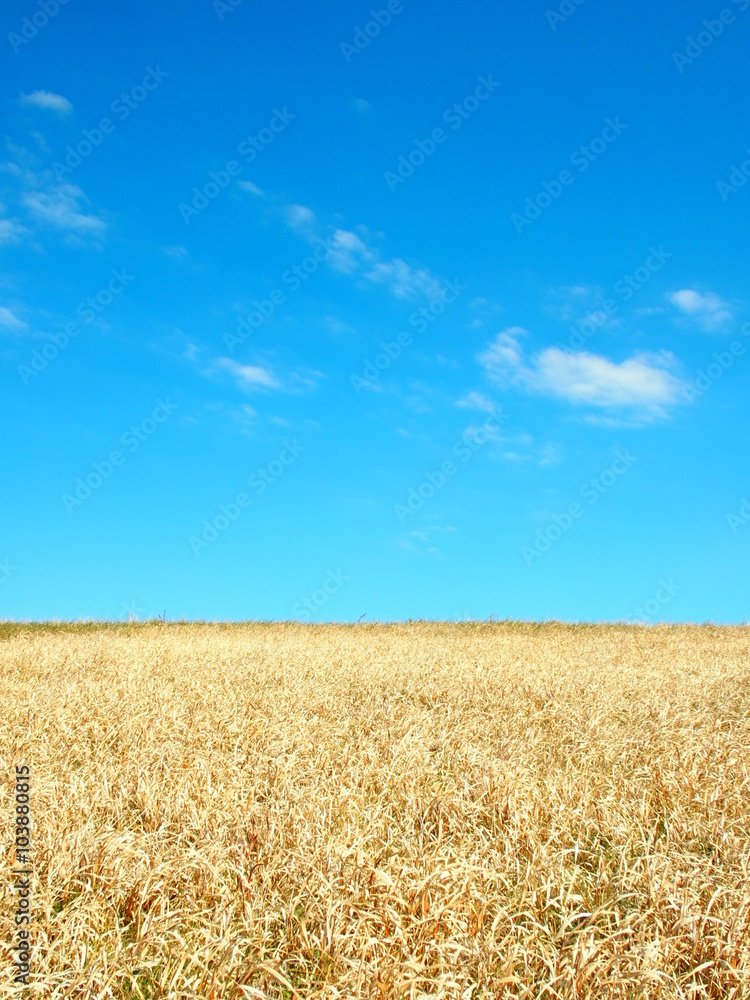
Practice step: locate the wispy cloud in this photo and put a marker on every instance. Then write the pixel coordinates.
(45, 201)
(9, 321)
(176, 253)
(252, 188)
(643, 384)
(11, 231)
(483, 311)
(423, 541)
(47, 100)
(300, 216)
(352, 251)
(261, 378)
(503, 357)
(248, 376)
(709, 309)
(60, 207)
(405, 281)
(477, 401)
(348, 251)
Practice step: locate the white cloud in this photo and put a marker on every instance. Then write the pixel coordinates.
(176, 253)
(644, 383)
(351, 251)
(9, 321)
(483, 309)
(422, 541)
(504, 354)
(248, 376)
(300, 216)
(252, 188)
(56, 204)
(59, 207)
(477, 401)
(337, 326)
(641, 381)
(710, 310)
(348, 251)
(405, 281)
(49, 101)
(567, 301)
(10, 231)
(360, 104)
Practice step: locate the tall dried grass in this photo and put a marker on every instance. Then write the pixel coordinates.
(382, 811)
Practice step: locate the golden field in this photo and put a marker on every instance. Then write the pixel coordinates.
(443, 810)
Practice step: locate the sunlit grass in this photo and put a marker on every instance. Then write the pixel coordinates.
(444, 810)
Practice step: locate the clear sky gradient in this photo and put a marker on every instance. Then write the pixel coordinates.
(403, 311)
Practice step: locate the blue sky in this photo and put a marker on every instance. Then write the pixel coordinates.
(396, 311)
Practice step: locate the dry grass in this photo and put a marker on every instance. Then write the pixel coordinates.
(420, 810)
